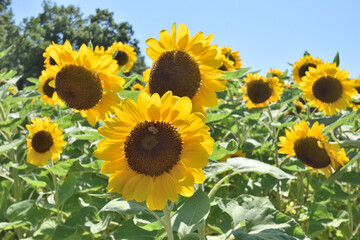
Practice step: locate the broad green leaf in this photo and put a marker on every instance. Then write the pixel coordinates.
(67, 188)
(123, 207)
(33, 182)
(306, 53)
(350, 177)
(191, 213)
(235, 74)
(69, 120)
(215, 117)
(220, 149)
(130, 231)
(47, 228)
(129, 94)
(12, 145)
(11, 124)
(4, 52)
(268, 234)
(214, 168)
(26, 211)
(60, 169)
(339, 122)
(191, 236)
(101, 226)
(240, 164)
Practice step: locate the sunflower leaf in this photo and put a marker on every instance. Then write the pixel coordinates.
(235, 74)
(337, 59)
(241, 164)
(339, 122)
(7, 147)
(121, 206)
(194, 210)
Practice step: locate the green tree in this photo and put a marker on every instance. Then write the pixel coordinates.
(60, 23)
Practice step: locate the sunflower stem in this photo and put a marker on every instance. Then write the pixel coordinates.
(168, 227)
(218, 184)
(56, 189)
(276, 154)
(349, 207)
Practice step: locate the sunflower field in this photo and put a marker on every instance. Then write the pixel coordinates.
(197, 147)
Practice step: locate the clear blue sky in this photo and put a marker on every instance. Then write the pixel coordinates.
(266, 33)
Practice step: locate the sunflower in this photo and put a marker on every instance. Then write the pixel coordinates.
(44, 142)
(303, 65)
(328, 88)
(87, 82)
(186, 66)
(275, 72)
(353, 104)
(230, 60)
(154, 149)
(49, 61)
(259, 91)
(138, 87)
(311, 147)
(125, 55)
(46, 90)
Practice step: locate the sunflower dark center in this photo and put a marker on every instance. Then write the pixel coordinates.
(358, 89)
(327, 89)
(52, 61)
(308, 151)
(175, 71)
(259, 91)
(78, 87)
(121, 57)
(42, 141)
(153, 147)
(48, 90)
(223, 68)
(304, 68)
(232, 58)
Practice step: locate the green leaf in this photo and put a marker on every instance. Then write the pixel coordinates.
(268, 234)
(337, 59)
(350, 177)
(191, 236)
(130, 231)
(194, 210)
(214, 168)
(339, 122)
(342, 170)
(241, 164)
(306, 53)
(67, 188)
(215, 117)
(123, 207)
(4, 52)
(220, 149)
(60, 169)
(101, 226)
(90, 45)
(127, 94)
(69, 120)
(26, 211)
(235, 74)
(11, 124)
(47, 228)
(12, 145)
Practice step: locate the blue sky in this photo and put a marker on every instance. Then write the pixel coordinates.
(266, 33)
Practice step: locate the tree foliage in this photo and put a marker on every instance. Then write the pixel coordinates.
(58, 24)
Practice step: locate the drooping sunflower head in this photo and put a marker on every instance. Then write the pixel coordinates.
(154, 149)
(328, 88)
(44, 142)
(303, 65)
(276, 72)
(186, 66)
(259, 90)
(230, 60)
(138, 87)
(123, 54)
(49, 61)
(46, 90)
(87, 82)
(310, 146)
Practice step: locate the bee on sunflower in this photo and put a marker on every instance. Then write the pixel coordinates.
(311, 147)
(154, 149)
